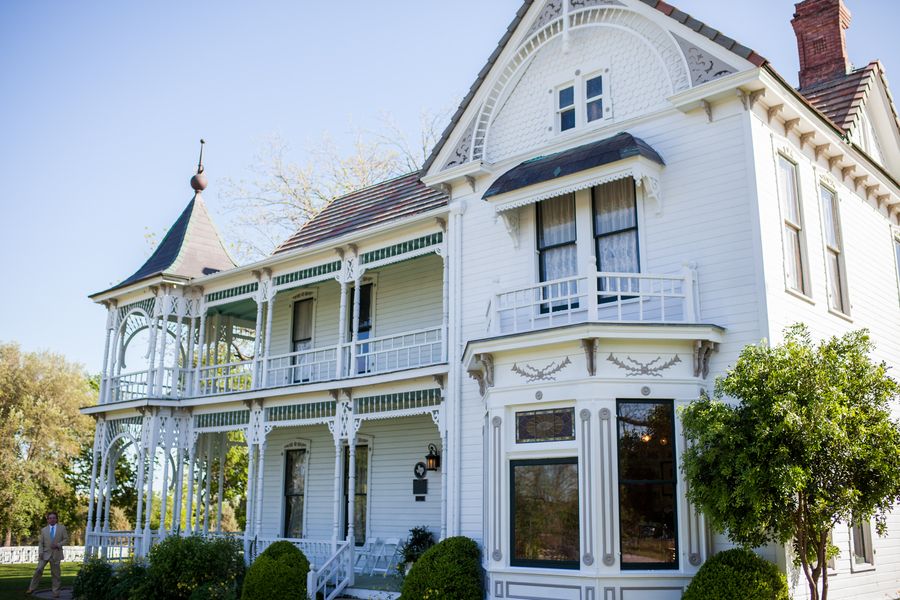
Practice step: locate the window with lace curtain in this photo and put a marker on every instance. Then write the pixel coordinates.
(616, 236)
(557, 251)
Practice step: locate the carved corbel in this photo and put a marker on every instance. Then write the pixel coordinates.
(511, 222)
(707, 108)
(821, 149)
(652, 191)
(790, 124)
(471, 181)
(442, 223)
(591, 348)
(439, 380)
(870, 191)
(703, 350)
(743, 97)
(485, 374)
(847, 171)
(754, 97)
(835, 161)
(773, 110)
(882, 200)
(858, 181)
(806, 137)
(446, 188)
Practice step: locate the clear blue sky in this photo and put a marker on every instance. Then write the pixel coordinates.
(102, 105)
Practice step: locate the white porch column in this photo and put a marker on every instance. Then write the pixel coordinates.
(164, 338)
(342, 326)
(257, 340)
(139, 480)
(148, 510)
(270, 306)
(164, 487)
(113, 359)
(445, 299)
(223, 452)
(99, 435)
(260, 473)
(179, 475)
(354, 337)
(443, 482)
(351, 485)
(189, 508)
(154, 324)
(110, 484)
(201, 341)
(180, 309)
(336, 523)
(251, 499)
(207, 460)
(111, 313)
(102, 491)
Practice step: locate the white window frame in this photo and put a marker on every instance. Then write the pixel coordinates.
(578, 83)
(843, 290)
(300, 297)
(805, 291)
(295, 444)
(868, 564)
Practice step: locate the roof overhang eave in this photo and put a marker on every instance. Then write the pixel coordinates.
(123, 290)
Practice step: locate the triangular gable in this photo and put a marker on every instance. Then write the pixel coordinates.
(694, 54)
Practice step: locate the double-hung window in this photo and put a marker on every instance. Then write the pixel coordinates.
(647, 490)
(294, 491)
(616, 237)
(544, 513)
(834, 259)
(565, 108)
(789, 194)
(557, 252)
(897, 257)
(301, 336)
(861, 538)
(581, 101)
(593, 98)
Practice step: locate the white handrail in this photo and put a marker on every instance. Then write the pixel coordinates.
(336, 573)
(405, 350)
(603, 297)
(305, 366)
(226, 377)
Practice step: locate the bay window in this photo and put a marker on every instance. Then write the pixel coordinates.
(544, 520)
(647, 488)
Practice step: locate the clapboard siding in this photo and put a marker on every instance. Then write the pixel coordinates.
(408, 297)
(397, 445)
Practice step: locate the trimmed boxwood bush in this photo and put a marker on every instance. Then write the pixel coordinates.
(129, 581)
(737, 574)
(279, 572)
(93, 581)
(179, 566)
(449, 569)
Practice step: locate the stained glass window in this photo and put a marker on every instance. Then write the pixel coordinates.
(552, 425)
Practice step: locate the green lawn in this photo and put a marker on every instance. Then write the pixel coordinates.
(14, 579)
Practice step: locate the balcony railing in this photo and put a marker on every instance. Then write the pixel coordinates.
(397, 352)
(226, 378)
(601, 297)
(307, 366)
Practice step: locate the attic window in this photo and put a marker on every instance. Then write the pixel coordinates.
(566, 108)
(581, 101)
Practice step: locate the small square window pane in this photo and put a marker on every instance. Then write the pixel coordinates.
(566, 97)
(567, 120)
(594, 87)
(594, 110)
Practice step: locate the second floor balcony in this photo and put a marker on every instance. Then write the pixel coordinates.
(386, 319)
(606, 297)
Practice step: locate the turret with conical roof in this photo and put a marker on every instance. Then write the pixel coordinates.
(192, 246)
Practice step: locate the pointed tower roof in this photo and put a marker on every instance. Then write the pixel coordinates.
(192, 246)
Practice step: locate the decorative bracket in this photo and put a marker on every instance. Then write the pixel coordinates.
(591, 347)
(754, 97)
(652, 190)
(707, 108)
(790, 124)
(820, 149)
(806, 137)
(484, 375)
(774, 110)
(511, 221)
(703, 349)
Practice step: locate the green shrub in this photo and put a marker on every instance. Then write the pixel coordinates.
(420, 539)
(449, 569)
(179, 566)
(279, 572)
(737, 574)
(129, 581)
(93, 581)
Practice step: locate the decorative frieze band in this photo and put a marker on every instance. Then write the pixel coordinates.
(247, 288)
(308, 273)
(301, 412)
(222, 419)
(426, 241)
(396, 402)
(147, 305)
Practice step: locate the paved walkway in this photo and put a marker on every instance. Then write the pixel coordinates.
(64, 594)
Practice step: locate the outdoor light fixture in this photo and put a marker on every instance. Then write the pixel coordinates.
(433, 458)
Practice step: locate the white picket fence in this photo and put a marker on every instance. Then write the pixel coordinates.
(14, 555)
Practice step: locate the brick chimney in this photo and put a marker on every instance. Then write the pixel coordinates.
(819, 26)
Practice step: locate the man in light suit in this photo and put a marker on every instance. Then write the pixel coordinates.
(50, 550)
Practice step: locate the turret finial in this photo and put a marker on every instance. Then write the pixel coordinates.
(198, 181)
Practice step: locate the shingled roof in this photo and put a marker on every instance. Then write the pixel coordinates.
(191, 248)
(390, 200)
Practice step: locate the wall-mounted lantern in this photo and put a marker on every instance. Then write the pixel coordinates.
(433, 458)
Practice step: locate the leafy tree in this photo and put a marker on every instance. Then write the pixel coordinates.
(809, 443)
(41, 430)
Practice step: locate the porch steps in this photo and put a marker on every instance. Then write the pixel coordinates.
(366, 594)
